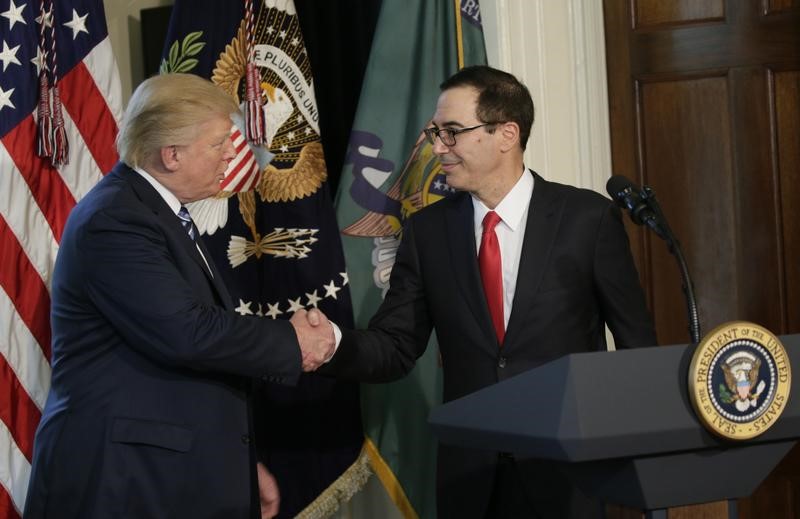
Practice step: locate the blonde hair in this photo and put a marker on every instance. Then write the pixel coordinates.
(166, 110)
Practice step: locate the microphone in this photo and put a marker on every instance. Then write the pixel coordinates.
(644, 209)
(628, 196)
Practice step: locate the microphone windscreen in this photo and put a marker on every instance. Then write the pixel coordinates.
(616, 185)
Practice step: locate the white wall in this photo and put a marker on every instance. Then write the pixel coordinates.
(124, 31)
(557, 48)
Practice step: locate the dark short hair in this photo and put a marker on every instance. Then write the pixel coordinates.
(501, 97)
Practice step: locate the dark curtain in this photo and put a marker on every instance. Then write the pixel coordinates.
(338, 37)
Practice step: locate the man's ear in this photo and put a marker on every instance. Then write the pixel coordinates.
(170, 157)
(509, 131)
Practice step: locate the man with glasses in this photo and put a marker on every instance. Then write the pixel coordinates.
(512, 272)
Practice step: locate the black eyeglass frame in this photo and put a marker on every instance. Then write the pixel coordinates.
(433, 131)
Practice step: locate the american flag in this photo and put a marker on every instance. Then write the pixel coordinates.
(36, 197)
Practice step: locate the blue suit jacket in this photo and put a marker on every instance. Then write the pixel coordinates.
(148, 411)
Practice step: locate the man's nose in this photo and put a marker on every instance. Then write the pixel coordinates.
(230, 151)
(439, 147)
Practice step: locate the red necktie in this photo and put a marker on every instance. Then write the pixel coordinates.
(492, 273)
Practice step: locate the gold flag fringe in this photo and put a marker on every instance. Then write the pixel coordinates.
(340, 491)
(389, 481)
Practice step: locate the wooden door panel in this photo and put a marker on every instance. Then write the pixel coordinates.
(654, 12)
(787, 114)
(685, 139)
(746, 36)
(776, 6)
(758, 218)
(704, 106)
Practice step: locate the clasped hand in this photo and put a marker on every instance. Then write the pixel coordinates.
(315, 335)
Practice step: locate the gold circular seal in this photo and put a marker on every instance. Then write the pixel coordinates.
(739, 380)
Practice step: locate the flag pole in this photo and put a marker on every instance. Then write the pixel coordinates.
(459, 35)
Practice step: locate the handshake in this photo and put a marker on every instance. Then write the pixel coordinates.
(315, 336)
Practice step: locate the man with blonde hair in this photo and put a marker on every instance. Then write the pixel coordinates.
(148, 413)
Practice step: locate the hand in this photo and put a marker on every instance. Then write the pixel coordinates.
(267, 492)
(315, 335)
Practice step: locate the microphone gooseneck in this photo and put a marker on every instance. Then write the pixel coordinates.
(644, 209)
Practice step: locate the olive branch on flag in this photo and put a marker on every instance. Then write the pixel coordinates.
(179, 59)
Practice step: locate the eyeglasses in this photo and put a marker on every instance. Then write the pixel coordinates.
(448, 135)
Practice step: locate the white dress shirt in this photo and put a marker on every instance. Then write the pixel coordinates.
(513, 212)
(173, 203)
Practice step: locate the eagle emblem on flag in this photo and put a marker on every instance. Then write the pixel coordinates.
(289, 164)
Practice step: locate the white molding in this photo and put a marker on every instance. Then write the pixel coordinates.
(123, 18)
(557, 48)
(538, 153)
(591, 92)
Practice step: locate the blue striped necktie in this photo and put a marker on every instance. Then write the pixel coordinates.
(186, 221)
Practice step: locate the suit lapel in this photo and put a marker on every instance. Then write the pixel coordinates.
(541, 230)
(172, 224)
(464, 261)
(216, 279)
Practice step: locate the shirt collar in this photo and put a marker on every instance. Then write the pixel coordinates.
(171, 200)
(512, 207)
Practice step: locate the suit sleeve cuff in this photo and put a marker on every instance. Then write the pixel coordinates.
(337, 335)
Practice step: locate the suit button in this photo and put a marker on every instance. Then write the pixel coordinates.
(245, 438)
(501, 362)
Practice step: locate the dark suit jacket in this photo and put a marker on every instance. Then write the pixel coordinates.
(148, 412)
(576, 274)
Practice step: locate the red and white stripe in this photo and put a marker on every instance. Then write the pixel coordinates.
(35, 200)
(243, 171)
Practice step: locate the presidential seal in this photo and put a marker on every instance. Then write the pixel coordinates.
(739, 380)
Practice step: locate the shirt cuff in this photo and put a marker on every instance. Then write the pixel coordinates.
(337, 335)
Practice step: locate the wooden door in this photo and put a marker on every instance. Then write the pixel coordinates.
(705, 108)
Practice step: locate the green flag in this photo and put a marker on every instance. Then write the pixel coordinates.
(389, 173)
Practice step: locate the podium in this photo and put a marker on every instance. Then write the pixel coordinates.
(622, 428)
